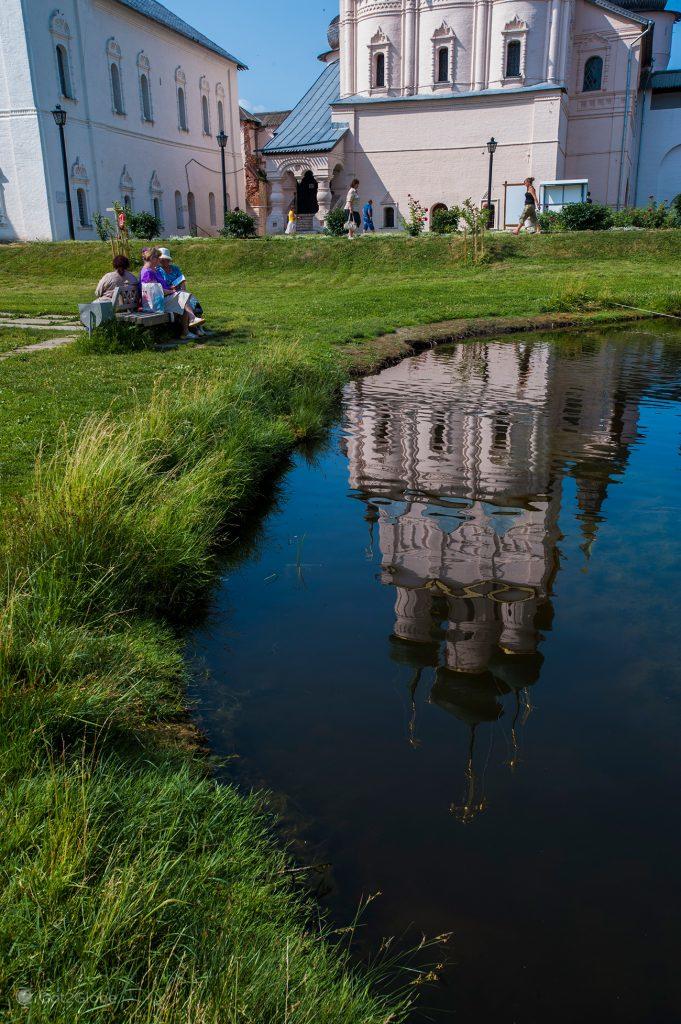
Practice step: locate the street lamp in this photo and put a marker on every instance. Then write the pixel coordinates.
(222, 142)
(59, 116)
(491, 149)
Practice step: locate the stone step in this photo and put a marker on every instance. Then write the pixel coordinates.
(305, 223)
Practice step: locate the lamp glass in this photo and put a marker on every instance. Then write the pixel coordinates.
(492, 145)
(222, 139)
(59, 116)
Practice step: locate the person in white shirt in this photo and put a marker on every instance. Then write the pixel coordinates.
(352, 208)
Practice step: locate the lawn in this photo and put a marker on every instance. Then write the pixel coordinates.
(133, 888)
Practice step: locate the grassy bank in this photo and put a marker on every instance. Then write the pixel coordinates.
(134, 890)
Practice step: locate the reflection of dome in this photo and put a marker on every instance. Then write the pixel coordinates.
(334, 33)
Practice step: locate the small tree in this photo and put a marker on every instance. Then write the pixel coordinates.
(238, 224)
(446, 222)
(103, 227)
(144, 225)
(417, 218)
(476, 219)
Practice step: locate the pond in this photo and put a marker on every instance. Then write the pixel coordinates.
(453, 648)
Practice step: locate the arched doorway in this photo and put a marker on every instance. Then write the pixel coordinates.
(307, 195)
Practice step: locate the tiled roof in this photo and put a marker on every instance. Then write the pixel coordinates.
(160, 14)
(246, 115)
(273, 118)
(309, 127)
(666, 79)
(642, 5)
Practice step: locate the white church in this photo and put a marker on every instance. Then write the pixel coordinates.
(577, 94)
(144, 94)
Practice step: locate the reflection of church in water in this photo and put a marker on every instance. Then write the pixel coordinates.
(462, 458)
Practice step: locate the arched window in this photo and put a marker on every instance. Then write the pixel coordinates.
(146, 98)
(116, 90)
(83, 218)
(206, 115)
(379, 74)
(389, 217)
(182, 109)
(212, 210)
(127, 202)
(221, 116)
(179, 212)
(64, 74)
(443, 64)
(593, 75)
(191, 210)
(157, 208)
(513, 59)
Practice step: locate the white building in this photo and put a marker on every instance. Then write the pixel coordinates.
(145, 96)
(660, 157)
(412, 90)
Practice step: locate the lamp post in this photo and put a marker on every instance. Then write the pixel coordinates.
(491, 149)
(59, 116)
(222, 142)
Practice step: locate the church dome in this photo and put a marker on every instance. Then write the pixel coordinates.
(334, 33)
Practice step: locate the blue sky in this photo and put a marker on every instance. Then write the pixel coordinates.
(280, 42)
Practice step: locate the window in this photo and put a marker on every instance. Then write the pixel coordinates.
(212, 210)
(127, 202)
(593, 74)
(669, 99)
(205, 114)
(443, 65)
(389, 217)
(83, 218)
(191, 210)
(157, 208)
(146, 98)
(64, 75)
(221, 116)
(513, 59)
(179, 212)
(116, 90)
(379, 71)
(182, 110)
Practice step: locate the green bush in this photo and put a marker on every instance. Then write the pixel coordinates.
(586, 217)
(654, 216)
(115, 338)
(446, 222)
(550, 221)
(238, 225)
(103, 227)
(336, 221)
(143, 225)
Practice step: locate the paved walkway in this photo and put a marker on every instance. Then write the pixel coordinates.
(65, 325)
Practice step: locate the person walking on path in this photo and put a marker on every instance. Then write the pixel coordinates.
(352, 208)
(291, 227)
(368, 216)
(529, 214)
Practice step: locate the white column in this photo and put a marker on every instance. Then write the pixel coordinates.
(480, 52)
(276, 220)
(324, 199)
(564, 40)
(553, 71)
(347, 43)
(409, 48)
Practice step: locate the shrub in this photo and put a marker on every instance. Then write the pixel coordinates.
(115, 338)
(654, 216)
(238, 225)
(586, 217)
(417, 218)
(336, 221)
(446, 222)
(550, 221)
(103, 227)
(143, 225)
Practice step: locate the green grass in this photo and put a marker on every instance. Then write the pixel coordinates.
(12, 338)
(133, 889)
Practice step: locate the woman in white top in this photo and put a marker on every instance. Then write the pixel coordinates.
(352, 208)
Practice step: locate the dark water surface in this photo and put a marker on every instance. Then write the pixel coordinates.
(454, 647)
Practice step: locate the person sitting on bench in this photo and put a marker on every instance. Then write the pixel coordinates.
(175, 301)
(176, 280)
(122, 281)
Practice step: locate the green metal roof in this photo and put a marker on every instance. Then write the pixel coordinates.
(666, 79)
(309, 127)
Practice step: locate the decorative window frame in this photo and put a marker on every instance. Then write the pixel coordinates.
(514, 31)
(81, 179)
(204, 93)
(592, 45)
(127, 186)
(144, 68)
(380, 43)
(62, 36)
(444, 37)
(156, 192)
(220, 97)
(181, 83)
(114, 55)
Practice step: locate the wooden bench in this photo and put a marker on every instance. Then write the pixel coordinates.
(94, 313)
